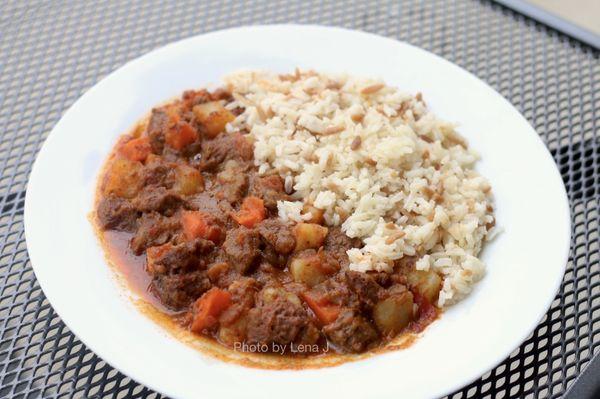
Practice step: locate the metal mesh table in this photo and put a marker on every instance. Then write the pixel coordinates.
(51, 52)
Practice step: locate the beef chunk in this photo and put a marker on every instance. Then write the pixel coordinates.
(157, 172)
(207, 203)
(157, 126)
(351, 332)
(364, 287)
(233, 181)
(277, 234)
(335, 291)
(195, 97)
(153, 229)
(158, 199)
(242, 247)
(178, 271)
(352, 290)
(279, 318)
(221, 94)
(242, 293)
(115, 213)
(270, 189)
(224, 147)
(268, 273)
(179, 258)
(337, 243)
(178, 291)
(382, 278)
(273, 257)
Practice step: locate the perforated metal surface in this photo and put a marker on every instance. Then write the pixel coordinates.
(51, 52)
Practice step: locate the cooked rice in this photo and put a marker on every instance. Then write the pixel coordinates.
(378, 163)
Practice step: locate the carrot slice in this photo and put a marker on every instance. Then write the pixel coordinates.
(137, 149)
(197, 224)
(325, 312)
(246, 218)
(251, 212)
(208, 307)
(181, 135)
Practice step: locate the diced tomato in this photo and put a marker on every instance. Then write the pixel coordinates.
(251, 212)
(137, 149)
(181, 135)
(197, 224)
(325, 312)
(208, 307)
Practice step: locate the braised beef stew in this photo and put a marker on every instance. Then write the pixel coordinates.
(183, 195)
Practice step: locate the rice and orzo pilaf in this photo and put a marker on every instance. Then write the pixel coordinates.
(378, 163)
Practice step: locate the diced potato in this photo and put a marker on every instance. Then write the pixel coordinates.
(123, 178)
(188, 180)
(233, 333)
(316, 214)
(393, 314)
(309, 235)
(213, 116)
(307, 269)
(270, 293)
(427, 283)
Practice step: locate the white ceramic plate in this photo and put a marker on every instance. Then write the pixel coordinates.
(525, 263)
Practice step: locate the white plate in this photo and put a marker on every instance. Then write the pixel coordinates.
(525, 264)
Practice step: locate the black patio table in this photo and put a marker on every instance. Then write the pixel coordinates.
(52, 51)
